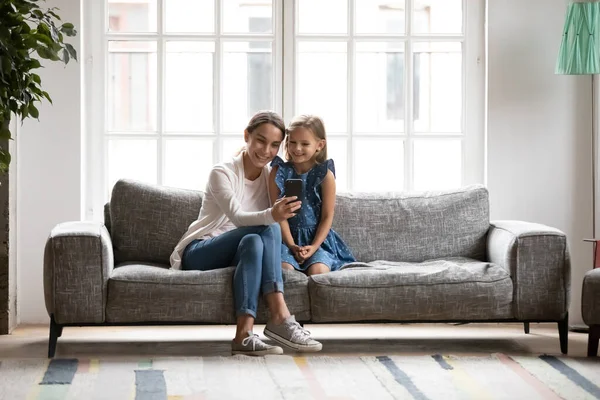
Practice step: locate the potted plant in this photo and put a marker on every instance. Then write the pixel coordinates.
(28, 33)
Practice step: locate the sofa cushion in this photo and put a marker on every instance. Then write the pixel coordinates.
(414, 227)
(590, 297)
(436, 290)
(151, 293)
(147, 221)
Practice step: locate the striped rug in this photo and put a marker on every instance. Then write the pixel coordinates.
(495, 376)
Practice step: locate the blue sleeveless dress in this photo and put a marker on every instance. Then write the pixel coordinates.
(333, 251)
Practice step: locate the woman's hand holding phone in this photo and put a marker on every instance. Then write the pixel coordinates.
(285, 208)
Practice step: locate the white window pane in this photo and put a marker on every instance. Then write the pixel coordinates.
(337, 150)
(378, 165)
(437, 16)
(132, 16)
(190, 16)
(189, 87)
(319, 16)
(188, 162)
(132, 86)
(437, 164)
(322, 84)
(247, 16)
(437, 93)
(380, 16)
(247, 82)
(379, 92)
(231, 146)
(131, 159)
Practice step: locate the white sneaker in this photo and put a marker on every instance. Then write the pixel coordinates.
(291, 334)
(253, 346)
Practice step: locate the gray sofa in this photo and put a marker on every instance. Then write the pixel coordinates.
(422, 257)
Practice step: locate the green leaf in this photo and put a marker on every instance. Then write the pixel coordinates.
(71, 50)
(6, 65)
(5, 132)
(53, 14)
(69, 31)
(45, 39)
(24, 112)
(65, 56)
(33, 111)
(4, 161)
(33, 63)
(47, 96)
(47, 54)
(36, 78)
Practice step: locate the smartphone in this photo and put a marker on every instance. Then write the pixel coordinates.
(293, 187)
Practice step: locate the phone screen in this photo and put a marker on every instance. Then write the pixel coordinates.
(293, 187)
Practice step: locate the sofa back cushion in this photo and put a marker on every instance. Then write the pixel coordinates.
(414, 227)
(147, 221)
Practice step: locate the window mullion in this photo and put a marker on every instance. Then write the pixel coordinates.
(160, 76)
(289, 59)
(350, 94)
(277, 46)
(408, 100)
(218, 84)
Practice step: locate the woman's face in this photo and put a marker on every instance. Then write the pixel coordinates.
(263, 144)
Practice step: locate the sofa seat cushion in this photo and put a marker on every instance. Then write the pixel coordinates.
(142, 292)
(436, 290)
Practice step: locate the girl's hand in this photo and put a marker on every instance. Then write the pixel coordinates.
(307, 251)
(285, 208)
(295, 249)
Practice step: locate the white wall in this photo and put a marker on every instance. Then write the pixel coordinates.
(539, 129)
(538, 145)
(49, 171)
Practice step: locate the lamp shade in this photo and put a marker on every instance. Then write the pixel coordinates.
(579, 53)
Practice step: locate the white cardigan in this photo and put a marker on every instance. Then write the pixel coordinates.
(222, 202)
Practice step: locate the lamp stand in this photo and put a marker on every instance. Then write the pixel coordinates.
(583, 328)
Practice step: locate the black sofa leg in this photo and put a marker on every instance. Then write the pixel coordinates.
(55, 333)
(563, 334)
(526, 327)
(593, 338)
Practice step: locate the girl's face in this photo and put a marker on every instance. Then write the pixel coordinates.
(263, 144)
(303, 145)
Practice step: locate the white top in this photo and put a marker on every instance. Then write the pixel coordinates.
(255, 199)
(224, 201)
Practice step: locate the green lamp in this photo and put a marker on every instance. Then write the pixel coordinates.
(579, 55)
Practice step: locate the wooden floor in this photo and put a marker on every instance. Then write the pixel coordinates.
(342, 339)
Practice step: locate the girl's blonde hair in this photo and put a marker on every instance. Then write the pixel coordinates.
(313, 124)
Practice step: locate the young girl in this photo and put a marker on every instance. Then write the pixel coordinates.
(309, 243)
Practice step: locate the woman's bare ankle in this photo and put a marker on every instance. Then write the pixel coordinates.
(245, 324)
(278, 319)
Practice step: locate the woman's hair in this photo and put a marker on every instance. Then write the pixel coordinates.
(313, 124)
(263, 117)
(266, 117)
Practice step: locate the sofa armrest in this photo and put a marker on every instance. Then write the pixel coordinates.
(537, 258)
(78, 260)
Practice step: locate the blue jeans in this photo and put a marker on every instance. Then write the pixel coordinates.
(256, 253)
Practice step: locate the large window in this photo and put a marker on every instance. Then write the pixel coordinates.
(399, 84)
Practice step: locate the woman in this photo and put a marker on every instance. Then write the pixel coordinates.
(237, 227)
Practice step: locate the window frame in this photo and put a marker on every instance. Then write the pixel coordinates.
(284, 39)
